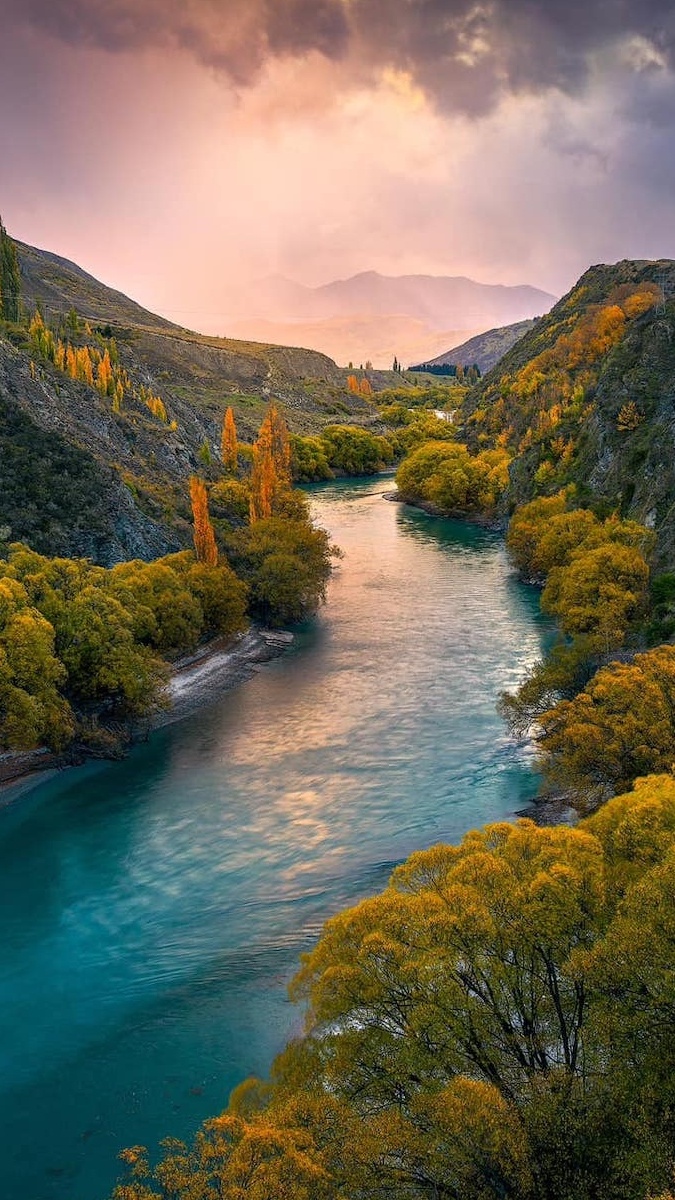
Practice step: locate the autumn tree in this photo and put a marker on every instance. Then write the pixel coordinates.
(286, 563)
(263, 476)
(204, 537)
(447, 476)
(599, 593)
(32, 709)
(104, 375)
(228, 442)
(354, 450)
(620, 726)
(281, 446)
(271, 470)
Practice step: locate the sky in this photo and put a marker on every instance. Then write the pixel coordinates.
(176, 148)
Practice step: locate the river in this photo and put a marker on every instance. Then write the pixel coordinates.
(152, 911)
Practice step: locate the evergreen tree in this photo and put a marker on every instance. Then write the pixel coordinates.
(10, 278)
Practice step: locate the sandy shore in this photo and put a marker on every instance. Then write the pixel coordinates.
(197, 679)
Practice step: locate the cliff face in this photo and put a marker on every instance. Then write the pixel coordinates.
(80, 478)
(587, 397)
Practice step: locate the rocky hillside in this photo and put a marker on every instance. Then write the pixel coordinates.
(83, 475)
(587, 398)
(484, 350)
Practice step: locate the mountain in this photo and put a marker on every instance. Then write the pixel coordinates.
(374, 317)
(586, 398)
(356, 340)
(80, 478)
(485, 350)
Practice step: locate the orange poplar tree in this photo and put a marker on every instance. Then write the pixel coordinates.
(104, 375)
(204, 538)
(271, 472)
(228, 443)
(263, 476)
(281, 446)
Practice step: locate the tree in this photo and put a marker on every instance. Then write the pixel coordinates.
(621, 726)
(447, 476)
(204, 538)
(32, 710)
(287, 564)
(271, 472)
(526, 528)
(309, 459)
(281, 446)
(263, 476)
(598, 593)
(354, 450)
(228, 443)
(10, 278)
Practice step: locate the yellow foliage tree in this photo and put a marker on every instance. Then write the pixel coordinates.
(104, 374)
(204, 538)
(228, 442)
(271, 473)
(629, 417)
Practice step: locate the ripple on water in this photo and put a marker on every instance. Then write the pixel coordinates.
(153, 912)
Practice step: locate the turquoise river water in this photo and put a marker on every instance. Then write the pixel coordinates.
(152, 911)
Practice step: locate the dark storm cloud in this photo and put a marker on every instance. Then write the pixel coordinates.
(465, 54)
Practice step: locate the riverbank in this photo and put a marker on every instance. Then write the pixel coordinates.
(494, 524)
(197, 679)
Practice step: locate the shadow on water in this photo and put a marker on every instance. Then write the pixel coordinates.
(152, 911)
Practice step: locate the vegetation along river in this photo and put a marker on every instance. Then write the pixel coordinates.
(153, 910)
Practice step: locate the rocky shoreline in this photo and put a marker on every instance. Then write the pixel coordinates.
(197, 679)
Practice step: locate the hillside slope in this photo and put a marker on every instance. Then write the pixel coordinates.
(83, 475)
(587, 398)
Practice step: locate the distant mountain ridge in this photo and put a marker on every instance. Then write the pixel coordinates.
(442, 301)
(373, 316)
(483, 351)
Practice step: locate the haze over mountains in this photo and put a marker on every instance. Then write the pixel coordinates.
(372, 317)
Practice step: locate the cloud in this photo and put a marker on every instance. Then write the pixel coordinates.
(466, 55)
